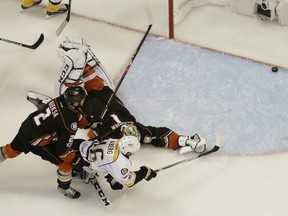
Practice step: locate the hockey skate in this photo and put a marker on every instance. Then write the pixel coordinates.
(2, 154)
(36, 2)
(63, 8)
(39, 100)
(70, 192)
(196, 143)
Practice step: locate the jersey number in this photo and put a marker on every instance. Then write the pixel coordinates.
(96, 153)
(42, 116)
(116, 118)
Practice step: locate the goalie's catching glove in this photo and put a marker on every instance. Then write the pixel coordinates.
(113, 183)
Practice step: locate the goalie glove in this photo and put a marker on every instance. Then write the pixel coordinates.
(113, 183)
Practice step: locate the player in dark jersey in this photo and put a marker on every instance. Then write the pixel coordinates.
(118, 121)
(49, 133)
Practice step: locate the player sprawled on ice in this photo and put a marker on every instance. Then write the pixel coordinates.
(81, 67)
(110, 158)
(49, 133)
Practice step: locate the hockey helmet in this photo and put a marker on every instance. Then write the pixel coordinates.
(129, 144)
(75, 96)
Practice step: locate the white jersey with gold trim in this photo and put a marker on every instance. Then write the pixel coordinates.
(105, 158)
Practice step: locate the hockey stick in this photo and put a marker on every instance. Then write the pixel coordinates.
(33, 46)
(214, 149)
(65, 22)
(125, 71)
(100, 192)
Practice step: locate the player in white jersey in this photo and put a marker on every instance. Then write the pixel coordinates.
(110, 158)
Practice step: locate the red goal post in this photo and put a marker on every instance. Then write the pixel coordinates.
(171, 18)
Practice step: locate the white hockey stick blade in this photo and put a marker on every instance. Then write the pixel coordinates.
(65, 22)
(148, 13)
(61, 28)
(218, 139)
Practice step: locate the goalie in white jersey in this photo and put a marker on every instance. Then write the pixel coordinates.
(110, 158)
(80, 67)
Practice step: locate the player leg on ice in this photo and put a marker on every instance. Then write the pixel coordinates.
(29, 3)
(45, 134)
(55, 7)
(157, 137)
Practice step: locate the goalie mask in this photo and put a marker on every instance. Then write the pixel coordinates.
(129, 144)
(130, 130)
(75, 96)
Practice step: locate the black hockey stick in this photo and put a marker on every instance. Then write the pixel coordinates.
(100, 192)
(125, 71)
(214, 149)
(33, 46)
(65, 22)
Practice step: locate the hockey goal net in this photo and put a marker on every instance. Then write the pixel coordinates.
(179, 9)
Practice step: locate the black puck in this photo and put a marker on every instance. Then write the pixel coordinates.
(274, 69)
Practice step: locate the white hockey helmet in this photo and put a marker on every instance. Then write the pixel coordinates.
(129, 144)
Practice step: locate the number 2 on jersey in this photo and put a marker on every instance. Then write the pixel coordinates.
(42, 116)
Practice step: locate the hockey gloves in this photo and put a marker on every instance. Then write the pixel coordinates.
(148, 173)
(113, 183)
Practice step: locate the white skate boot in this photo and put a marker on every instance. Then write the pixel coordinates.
(196, 143)
(70, 192)
(2, 154)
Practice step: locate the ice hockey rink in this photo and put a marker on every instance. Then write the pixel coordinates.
(216, 77)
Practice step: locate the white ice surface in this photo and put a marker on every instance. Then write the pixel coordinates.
(244, 178)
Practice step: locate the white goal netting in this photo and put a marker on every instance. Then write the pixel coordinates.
(183, 7)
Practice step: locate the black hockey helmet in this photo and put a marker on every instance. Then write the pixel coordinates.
(75, 96)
